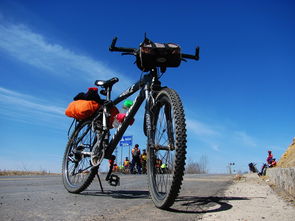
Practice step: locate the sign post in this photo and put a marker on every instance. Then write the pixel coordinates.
(126, 141)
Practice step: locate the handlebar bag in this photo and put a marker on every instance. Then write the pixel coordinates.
(152, 55)
(81, 109)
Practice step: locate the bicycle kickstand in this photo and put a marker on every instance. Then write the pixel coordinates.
(99, 182)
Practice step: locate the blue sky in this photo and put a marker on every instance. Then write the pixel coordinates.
(239, 98)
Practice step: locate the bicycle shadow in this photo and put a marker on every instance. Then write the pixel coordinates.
(199, 205)
(120, 194)
(183, 204)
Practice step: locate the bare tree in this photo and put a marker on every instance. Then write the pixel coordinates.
(203, 163)
(194, 167)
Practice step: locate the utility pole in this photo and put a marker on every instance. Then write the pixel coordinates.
(116, 154)
(129, 152)
(230, 167)
(121, 155)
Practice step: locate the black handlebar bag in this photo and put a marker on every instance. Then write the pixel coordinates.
(152, 55)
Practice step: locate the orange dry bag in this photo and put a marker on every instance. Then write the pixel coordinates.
(81, 109)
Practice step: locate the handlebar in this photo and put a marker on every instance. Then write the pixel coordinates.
(120, 49)
(195, 57)
(134, 50)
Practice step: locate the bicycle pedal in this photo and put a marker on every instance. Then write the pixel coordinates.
(114, 180)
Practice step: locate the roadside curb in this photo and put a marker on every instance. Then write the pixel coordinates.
(284, 178)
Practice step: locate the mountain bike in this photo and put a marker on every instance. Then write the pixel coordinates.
(164, 126)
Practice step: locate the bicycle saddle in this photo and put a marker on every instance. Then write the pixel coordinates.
(107, 83)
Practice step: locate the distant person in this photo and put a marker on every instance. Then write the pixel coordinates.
(143, 161)
(270, 160)
(158, 165)
(252, 167)
(121, 168)
(269, 157)
(164, 168)
(126, 165)
(116, 167)
(135, 159)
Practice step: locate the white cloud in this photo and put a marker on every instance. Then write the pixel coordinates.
(201, 129)
(33, 49)
(23, 101)
(205, 133)
(219, 137)
(215, 147)
(30, 110)
(244, 139)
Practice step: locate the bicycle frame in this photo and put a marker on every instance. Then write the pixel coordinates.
(145, 87)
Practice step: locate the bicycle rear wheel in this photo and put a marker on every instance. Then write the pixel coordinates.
(167, 148)
(76, 168)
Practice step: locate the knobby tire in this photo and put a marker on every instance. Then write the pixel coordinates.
(165, 183)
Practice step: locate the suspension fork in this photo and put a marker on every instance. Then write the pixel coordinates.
(151, 94)
(147, 117)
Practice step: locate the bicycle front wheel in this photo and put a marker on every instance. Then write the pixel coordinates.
(166, 148)
(76, 169)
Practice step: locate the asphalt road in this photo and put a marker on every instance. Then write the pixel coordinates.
(44, 198)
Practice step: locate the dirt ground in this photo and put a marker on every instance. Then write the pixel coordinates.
(288, 158)
(252, 199)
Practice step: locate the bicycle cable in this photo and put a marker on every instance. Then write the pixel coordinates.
(161, 73)
(141, 77)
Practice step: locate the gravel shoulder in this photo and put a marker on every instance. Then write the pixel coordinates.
(252, 199)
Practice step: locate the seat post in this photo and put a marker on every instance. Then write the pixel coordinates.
(109, 90)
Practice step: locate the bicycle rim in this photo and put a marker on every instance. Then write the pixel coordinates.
(77, 172)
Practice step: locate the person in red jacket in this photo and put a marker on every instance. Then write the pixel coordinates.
(270, 160)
